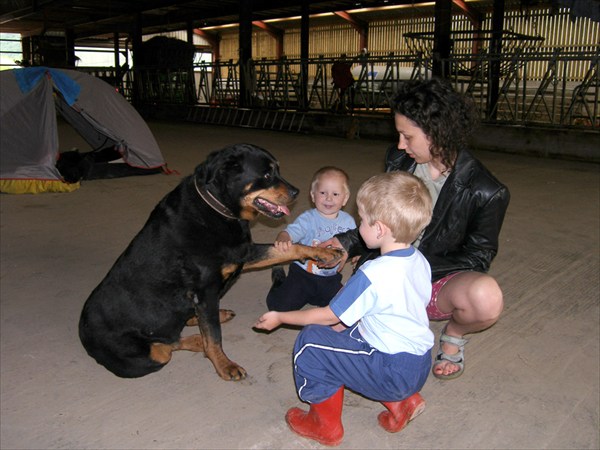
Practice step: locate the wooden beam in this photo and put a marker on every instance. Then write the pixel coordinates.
(360, 26)
(475, 17)
(213, 40)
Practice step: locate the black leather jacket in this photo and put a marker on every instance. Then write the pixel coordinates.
(466, 221)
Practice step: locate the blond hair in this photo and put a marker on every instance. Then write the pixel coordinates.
(330, 170)
(399, 200)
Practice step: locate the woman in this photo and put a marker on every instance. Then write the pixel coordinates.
(434, 122)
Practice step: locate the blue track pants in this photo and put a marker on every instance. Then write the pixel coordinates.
(325, 360)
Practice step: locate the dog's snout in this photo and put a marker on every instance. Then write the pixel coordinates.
(294, 191)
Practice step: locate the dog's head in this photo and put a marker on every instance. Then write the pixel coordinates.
(245, 179)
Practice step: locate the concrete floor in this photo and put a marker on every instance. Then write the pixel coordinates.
(531, 381)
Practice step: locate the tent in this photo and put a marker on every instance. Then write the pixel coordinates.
(30, 99)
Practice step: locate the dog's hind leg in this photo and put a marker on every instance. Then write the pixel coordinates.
(225, 315)
(161, 353)
(193, 343)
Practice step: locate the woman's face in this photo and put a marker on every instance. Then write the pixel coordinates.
(412, 139)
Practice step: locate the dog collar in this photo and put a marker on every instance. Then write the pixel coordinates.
(212, 201)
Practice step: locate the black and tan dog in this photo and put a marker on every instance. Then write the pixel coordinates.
(193, 247)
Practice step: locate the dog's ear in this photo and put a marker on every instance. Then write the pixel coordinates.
(217, 165)
(200, 173)
(205, 173)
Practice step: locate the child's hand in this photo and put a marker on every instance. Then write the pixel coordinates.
(268, 321)
(283, 246)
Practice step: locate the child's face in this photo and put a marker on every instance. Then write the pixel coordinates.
(329, 195)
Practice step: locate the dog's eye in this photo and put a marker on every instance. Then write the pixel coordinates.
(268, 177)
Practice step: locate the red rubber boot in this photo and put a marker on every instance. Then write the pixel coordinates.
(400, 413)
(323, 422)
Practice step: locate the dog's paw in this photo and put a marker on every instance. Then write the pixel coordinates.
(232, 372)
(329, 256)
(225, 315)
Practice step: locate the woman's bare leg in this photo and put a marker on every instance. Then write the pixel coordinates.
(475, 301)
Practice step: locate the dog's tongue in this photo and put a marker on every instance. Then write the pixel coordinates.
(284, 210)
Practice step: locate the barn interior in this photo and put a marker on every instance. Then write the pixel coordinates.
(269, 64)
(531, 381)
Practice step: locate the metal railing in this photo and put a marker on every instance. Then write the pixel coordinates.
(567, 95)
(558, 98)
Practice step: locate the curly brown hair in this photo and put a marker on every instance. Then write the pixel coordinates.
(445, 116)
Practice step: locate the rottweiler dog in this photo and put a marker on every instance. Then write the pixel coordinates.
(191, 250)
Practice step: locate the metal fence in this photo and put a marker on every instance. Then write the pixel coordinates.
(504, 90)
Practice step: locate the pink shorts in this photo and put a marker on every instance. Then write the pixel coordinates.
(432, 309)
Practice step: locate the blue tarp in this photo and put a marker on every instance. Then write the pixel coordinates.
(29, 78)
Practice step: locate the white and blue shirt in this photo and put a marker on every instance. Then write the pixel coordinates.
(388, 297)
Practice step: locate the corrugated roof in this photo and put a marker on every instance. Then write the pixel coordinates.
(88, 18)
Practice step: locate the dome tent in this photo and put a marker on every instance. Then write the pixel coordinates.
(30, 99)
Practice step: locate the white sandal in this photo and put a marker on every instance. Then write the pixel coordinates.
(456, 358)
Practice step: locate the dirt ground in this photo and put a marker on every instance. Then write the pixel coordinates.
(531, 381)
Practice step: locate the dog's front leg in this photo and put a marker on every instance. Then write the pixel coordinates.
(207, 311)
(265, 255)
